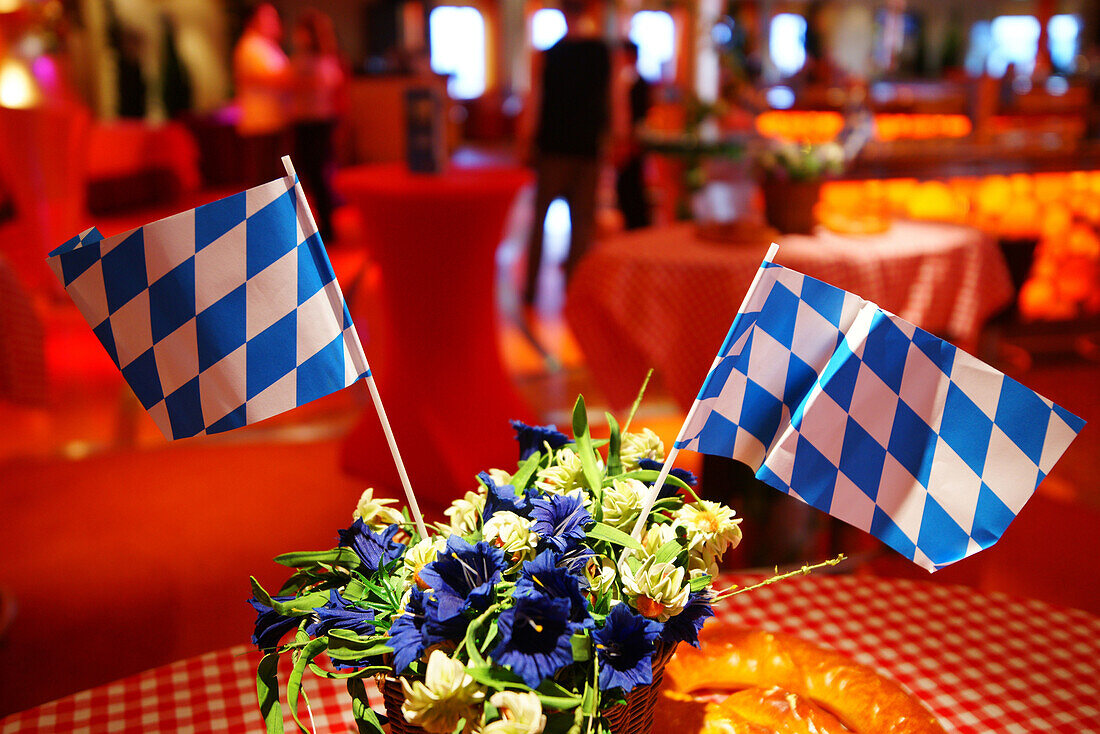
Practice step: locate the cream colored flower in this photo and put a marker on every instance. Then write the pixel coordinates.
(499, 477)
(374, 513)
(657, 590)
(512, 533)
(423, 553)
(622, 501)
(521, 713)
(601, 574)
(657, 536)
(564, 475)
(710, 526)
(638, 446)
(465, 513)
(702, 563)
(446, 695)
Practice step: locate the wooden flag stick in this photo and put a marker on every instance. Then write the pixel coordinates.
(670, 460)
(414, 508)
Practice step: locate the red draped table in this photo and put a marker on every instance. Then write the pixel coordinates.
(664, 297)
(439, 371)
(981, 662)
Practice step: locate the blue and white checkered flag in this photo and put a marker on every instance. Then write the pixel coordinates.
(219, 316)
(876, 422)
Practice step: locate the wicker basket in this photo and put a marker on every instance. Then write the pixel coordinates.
(633, 717)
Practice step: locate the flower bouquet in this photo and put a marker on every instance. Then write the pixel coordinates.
(533, 609)
(790, 177)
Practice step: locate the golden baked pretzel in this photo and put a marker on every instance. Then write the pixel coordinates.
(781, 683)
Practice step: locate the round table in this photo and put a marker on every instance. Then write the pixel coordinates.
(449, 399)
(664, 297)
(981, 662)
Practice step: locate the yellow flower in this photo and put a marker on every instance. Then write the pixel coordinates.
(600, 572)
(564, 475)
(622, 502)
(657, 590)
(521, 713)
(423, 553)
(465, 513)
(446, 695)
(638, 446)
(710, 526)
(374, 513)
(511, 533)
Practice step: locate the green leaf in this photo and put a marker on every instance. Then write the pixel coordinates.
(614, 464)
(587, 453)
(367, 672)
(267, 692)
(336, 556)
(294, 682)
(637, 401)
(602, 531)
(296, 607)
(650, 476)
(582, 647)
(365, 718)
(498, 678)
(667, 552)
(526, 470)
(700, 582)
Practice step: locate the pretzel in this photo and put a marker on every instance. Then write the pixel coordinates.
(782, 683)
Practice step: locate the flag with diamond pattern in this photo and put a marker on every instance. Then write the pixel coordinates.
(874, 421)
(219, 316)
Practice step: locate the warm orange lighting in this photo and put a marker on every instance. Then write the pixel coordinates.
(18, 89)
(10, 6)
(820, 126)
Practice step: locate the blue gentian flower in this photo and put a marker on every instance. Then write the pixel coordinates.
(501, 498)
(531, 438)
(270, 625)
(463, 577)
(625, 647)
(374, 549)
(559, 521)
(543, 575)
(406, 636)
(535, 637)
(685, 626)
(340, 614)
(683, 475)
(575, 559)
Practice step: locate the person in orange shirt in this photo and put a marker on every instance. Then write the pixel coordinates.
(261, 71)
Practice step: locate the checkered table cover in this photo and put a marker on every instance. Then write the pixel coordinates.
(981, 662)
(663, 297)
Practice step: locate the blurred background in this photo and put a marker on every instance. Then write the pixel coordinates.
(415, 128)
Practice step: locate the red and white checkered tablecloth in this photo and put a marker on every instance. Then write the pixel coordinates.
(981, 662)
(663, 297)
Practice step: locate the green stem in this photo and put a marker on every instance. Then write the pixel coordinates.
(779, 577)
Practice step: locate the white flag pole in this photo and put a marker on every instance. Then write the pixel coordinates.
(670, 460)
(414, 507)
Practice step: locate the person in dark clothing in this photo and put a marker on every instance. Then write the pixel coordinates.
(573, 121)
(630, 174)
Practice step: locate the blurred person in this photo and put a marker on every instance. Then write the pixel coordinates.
(572, 102)
(318, 84)
(261, 71)
(633, 91)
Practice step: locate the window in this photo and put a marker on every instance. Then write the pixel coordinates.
(1014, 39)
(787, 43)
(655, 34)
(457, 36)
(1062, 31)
(547, 28)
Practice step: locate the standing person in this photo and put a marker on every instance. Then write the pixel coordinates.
(573, 117)
(317, 93)
(261, 72)
(630, 163)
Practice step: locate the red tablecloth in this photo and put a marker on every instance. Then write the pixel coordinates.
(664, 298)
(438, 367)
(982, 663)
